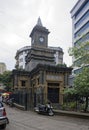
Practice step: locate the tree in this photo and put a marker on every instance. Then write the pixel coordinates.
(5, 78)
(80, 53)
(81, 82)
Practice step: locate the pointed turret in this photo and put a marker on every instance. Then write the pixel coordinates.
(39, 23)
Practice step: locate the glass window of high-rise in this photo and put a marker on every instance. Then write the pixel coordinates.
(80, 24)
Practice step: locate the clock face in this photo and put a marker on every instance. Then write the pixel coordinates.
(41, 39)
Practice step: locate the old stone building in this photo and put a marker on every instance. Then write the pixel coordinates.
(42, 78)
(40, 52)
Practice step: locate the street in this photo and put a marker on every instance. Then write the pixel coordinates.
(28, 120)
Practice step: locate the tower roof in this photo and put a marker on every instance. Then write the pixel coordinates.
(39, 23)
(39, 27)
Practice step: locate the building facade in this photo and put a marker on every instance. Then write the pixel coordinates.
(80, 26)
(42, 79)
(22, 53)
(20, 57)
(2, 68)
(44, 83)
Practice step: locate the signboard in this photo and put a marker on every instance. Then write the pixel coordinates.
(54, 77)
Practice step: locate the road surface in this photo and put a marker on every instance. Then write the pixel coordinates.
(28, 120)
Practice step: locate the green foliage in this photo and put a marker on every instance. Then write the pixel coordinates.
(81, 82)
(5, 78)
(70, 91)
(62, 65)
(69, 106)
(81, 54)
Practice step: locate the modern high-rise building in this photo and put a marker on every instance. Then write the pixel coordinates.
(80, 26)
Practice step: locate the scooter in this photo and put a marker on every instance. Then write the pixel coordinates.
(11, 102)
(44, 109)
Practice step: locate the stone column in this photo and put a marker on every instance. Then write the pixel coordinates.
(61, 93)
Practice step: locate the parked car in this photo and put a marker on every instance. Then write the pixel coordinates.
(3, 117)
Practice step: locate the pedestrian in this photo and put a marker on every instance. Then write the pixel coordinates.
(0, 97)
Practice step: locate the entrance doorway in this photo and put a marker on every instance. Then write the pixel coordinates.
(53, 95)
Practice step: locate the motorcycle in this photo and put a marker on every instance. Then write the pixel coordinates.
(11, 102)
(45, 109)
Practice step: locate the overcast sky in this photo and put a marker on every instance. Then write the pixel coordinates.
(18, 17)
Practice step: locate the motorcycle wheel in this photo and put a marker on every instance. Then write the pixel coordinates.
(50, 113)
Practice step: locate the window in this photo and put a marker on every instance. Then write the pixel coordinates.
(81, 40)
(82, 8)
(80, 21)
(23, 83)
(81, 30)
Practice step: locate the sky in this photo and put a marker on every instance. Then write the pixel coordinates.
(18, 17)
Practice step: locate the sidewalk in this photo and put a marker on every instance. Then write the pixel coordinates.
(62, 112)
(72, 113)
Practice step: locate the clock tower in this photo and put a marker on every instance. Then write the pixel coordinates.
(39, 35)
(40, 52)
